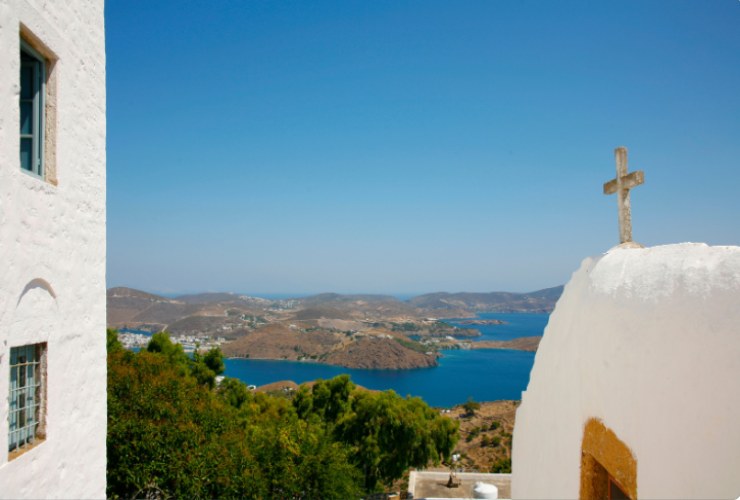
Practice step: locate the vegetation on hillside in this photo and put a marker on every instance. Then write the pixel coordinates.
(173, 432)
(471, 406)
(486, 436)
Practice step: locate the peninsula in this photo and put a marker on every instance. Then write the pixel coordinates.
(354, 331)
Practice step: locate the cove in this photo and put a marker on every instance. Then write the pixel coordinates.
(483, 374)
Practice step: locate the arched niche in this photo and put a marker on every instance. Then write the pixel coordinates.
(34, 284)
(36, 315)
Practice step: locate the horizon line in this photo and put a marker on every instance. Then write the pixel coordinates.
(296, 295)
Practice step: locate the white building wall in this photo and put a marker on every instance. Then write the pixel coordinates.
(52, 249)
(647, 340)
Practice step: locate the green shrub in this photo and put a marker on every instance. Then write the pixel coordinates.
(170, 431)
(502, 466)
(471, 406)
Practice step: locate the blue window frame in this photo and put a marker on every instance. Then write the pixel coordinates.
(26, 396)
(33, 83)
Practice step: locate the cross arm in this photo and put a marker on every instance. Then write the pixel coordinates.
(628, 182)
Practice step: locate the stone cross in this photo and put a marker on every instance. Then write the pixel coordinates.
(622, 185)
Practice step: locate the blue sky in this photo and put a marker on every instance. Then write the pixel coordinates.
(410, 147)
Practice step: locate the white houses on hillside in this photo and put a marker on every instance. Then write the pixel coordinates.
(52, 246)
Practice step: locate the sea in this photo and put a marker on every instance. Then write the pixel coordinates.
(481, 374)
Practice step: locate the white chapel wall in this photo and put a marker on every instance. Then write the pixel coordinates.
(648, 341)
(52, 246)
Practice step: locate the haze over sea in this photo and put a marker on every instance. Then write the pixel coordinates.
(483, 374)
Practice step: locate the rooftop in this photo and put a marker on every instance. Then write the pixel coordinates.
(428, 484)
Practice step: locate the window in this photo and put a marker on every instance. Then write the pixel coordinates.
(26, 415)
(33, 83)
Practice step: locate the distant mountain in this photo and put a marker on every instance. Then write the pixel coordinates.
(223, 298)
(230, 314)
(539, 301)
(128, 304)
(208, 313)
(122, 292)
(321, 311)
(207, 298)
(323, 298)
(359, 331)
(365, 306)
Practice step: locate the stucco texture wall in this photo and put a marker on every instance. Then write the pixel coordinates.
(647, 341)
(52, 245)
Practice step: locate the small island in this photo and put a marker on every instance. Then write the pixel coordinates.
(480, 322)
(519, 344)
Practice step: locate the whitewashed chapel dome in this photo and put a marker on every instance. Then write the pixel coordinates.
(636, 383)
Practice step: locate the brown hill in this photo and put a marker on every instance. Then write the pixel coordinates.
(203, 314)
(296, 342)
(521, 344)
(206, 298)
(194, 325)
(323, 312)
(124, 304)
(228, 314)
(227, 298)
(163, 312)
(485, 438)
(280, 386)
(360, 306)
(380, 353)
(280, 341)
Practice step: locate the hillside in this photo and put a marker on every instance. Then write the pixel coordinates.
(129, 305)
(520, 344)
(212, 314)
(360, 306)
(357, 331)
(280, 341)
(135, 308)
(485, 437)
(541, 301)
(380, 354)
(302, 342)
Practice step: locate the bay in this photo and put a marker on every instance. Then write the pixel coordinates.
(482, 374)
(515, 325)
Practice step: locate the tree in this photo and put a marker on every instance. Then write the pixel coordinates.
(386, 433)
(161, 343)
(471, 406)
(303, 402)
(203, 367)
(389, 434)
(214, 360)
(112, 342)
(169, 431)
(331, 398)
(233, 392)
(166, 430)
(203, 374)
